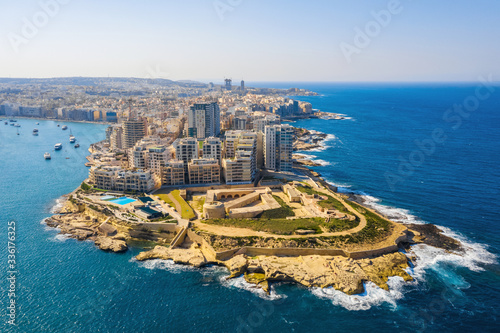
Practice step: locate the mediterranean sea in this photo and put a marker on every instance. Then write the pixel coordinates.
(379, 150)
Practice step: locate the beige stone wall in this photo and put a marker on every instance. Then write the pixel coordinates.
(170, 227)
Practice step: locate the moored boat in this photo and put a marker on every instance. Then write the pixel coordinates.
(47, 156)
(58, 146)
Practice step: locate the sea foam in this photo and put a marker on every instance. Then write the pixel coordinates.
(241, 283)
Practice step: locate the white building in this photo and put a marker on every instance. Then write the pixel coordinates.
(114, 178)
(212, 149)
(278, 148)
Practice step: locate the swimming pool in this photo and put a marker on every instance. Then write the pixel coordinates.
(122, 201)
(107, 197)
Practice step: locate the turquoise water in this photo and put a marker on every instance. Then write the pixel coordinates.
(69, 286)
(122, 201)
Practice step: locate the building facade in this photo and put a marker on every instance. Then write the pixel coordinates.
(204, 171)
(278, 148)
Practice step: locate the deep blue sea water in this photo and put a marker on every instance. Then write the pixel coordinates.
(69, 286)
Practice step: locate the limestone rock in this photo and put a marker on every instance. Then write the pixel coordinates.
(109, 244)
(107, 229)
(192, 256)
(236, 265)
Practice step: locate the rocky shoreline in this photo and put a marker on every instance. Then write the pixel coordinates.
(84, 223)
(344, 274)
(308, 139)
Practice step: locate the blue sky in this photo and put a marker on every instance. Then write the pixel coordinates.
(255, 40)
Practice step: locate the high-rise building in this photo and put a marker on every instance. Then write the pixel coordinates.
(259, 124)
(173, 173)
(212, 149)
(238, 170)
(229, 85)
(204, 120)
(242, 85)
(186, 149)
(278, 147)
(133, 131)
(204, 171)
(240, 151)
(111, 117)
(115, 139)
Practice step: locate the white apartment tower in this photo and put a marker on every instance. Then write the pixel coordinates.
(278, 148)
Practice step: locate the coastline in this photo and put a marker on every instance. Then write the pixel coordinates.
(339, 268)
(59, 120)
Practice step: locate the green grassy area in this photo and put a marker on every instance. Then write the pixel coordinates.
(279, 213)
(376, 226)
(186, 210)
(329, 203)
(165, 198)
(336, 225)
(275, 226)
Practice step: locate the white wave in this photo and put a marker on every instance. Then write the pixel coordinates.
(341, 188)
(241, 283)
(303, 156)
(168, 265)
(172, 267)
(59, 203)
(322, 144)
(373, 295)
(321, 162)
(428, 257)
(61, 238)
(395, 214)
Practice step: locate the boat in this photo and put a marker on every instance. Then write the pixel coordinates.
(58, 125)
(72, 139)
(38, 123)
(13, 120)
(64, 127)
(58, 146)
(35, 130)
(6, 123)
(47, 156)
(12, 124)
(35, 133)
(17, 125)
(18, 131)
(77, 145)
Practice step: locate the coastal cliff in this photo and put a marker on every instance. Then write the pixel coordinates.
(341, 273)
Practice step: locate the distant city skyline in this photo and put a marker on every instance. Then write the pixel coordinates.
(255, 41)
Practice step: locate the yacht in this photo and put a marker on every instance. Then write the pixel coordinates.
(47, 156)
(58, 146)
(64, 127)
(77, 145)
(72, 139)
(17, 125)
